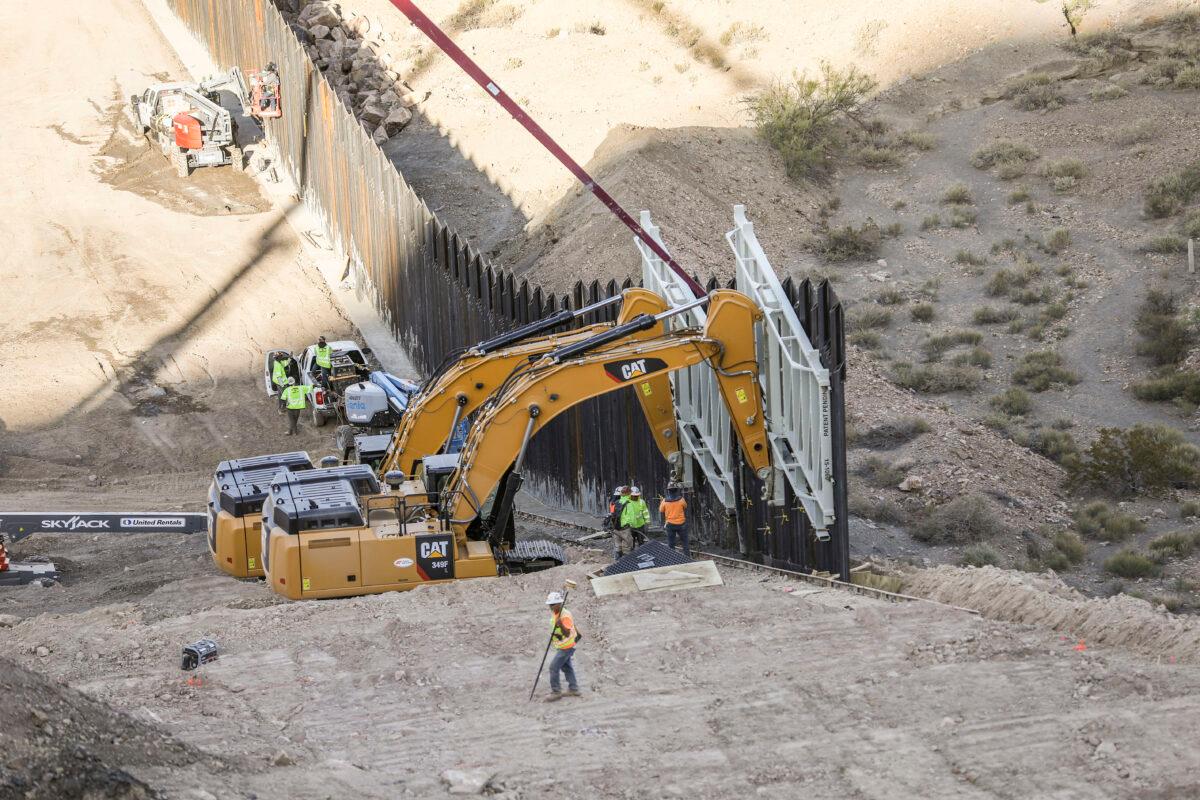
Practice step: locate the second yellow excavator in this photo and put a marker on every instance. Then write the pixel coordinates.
(327, 535)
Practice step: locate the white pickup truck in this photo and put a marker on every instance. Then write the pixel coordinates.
(349, 367)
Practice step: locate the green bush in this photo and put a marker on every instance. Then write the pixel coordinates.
(1056, 241)
(1189, 228)
(848, 242)
(979, 555)
(957, 194)
(967, 518)
(803, 119)
(890, 297)
(1144, 458)
(977, 356)
(1058, 446)
(1130, 564)
(922, 312)
(1008, 156)
(1167, 196)
(1166, 339)
(877, 509)
(1070, 545)
(1014, 402)
(930, 222)
(1176, 544)
(936, 378)
(936, 346)
(868, 318)
(1173, 386)
(989, 315)
(1189, 508)
(879, 472)
(1042, 370)
(892, 434)
(1099, 520)
(967, 257)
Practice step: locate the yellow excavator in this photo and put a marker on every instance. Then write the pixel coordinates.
(327, 533)
(456, 390)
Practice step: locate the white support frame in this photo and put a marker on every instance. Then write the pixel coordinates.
(704, 425)
(794, 382)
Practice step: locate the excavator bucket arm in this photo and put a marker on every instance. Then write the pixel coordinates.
(560, 380)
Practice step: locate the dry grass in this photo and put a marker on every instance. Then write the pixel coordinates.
(1101, 521)
(957, 194)
(990, 315)
(936, 378)
(922, 312)
(967, 518)
(1167, 196)
(1013, 402)
(893, 433)
(1042, 370)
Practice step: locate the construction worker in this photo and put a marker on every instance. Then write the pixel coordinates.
(279, 374)
(619, 496)
(564, 637)
(635, 516)
(323, 358)
(295, 396)
(674, 510)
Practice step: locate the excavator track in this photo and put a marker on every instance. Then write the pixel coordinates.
(532, 555)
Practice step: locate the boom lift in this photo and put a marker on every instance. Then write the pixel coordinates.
(457, 389)
(325, 538)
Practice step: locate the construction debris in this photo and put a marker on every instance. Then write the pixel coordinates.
(693, 575)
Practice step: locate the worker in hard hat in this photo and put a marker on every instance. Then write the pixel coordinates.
(635, 516)
(564, 638)
(674, 510)
(323, 360)
(280, 362)
(295, 397)
(619, 496)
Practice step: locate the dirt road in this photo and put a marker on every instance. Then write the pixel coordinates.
(139, 307)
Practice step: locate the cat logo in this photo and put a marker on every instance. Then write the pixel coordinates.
(435, 557)
(432, 550)
(633, 368)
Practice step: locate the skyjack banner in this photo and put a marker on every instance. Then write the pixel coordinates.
(19, 524)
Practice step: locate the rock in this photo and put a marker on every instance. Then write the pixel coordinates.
(912, 483)
(9, 620)
(389, 98)
(1158, 512)
(42, 651)
(880, 277)
(320, 14)
(372, 113)
(359, 26)
(380, 135)
(397, 120)
(1105, 749)
(882, 262)
(319, 32)
(45, 583)
(282, 759)
(466, 781)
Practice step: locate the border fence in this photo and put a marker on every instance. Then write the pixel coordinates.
(437, 295)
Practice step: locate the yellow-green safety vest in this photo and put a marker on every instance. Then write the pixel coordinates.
(279, 372)
(296, 396)
(325, 357)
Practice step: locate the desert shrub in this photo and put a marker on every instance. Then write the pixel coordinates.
(918, 140)
(1099, 520)
(1134, 133)
(1058, 446)
(879, 472)
(1144, 458)
(893, 433)
(1167, 196)
(893, 230)
(1008, 157)
(1005, 281)
(1111, 91)
(1035, 92)
(957, 194)
(1173, 386)
(1070, 545)
(1014, 402)
(877, 509)
(1042, 370)
(868, 340)
(967, 257)
(1164, 67)
(936, 378)
(966, 518)
(1165, 338)
(1176, 544)
(1189, 228)
(848, 242)
(1018, 196)
(877, 155)
(803, 119)
(1130, 564)
(1031, 296)
(1188, 78)
(936, 346)
(962, 217)
(1189, 508)
(977, 356)
(1056, 240)
(1165, 245)
(930, 222)
(922, 312)
(890, 297)
(979, 555)
(866, 318)
(1064, 168)
(989, 315)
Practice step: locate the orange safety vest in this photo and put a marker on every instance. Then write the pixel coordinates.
(561, 638)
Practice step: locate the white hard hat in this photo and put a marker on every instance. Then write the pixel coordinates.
(635, 490)
(291, 381)
(554, 599)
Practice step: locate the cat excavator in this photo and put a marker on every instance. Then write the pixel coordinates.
(330, 533)
(455, 391)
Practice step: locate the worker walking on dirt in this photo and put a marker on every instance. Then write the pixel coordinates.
(564, 638)
(635, 516)
(674, 510)
(323, 358)
(279, 375)
(295, 396)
